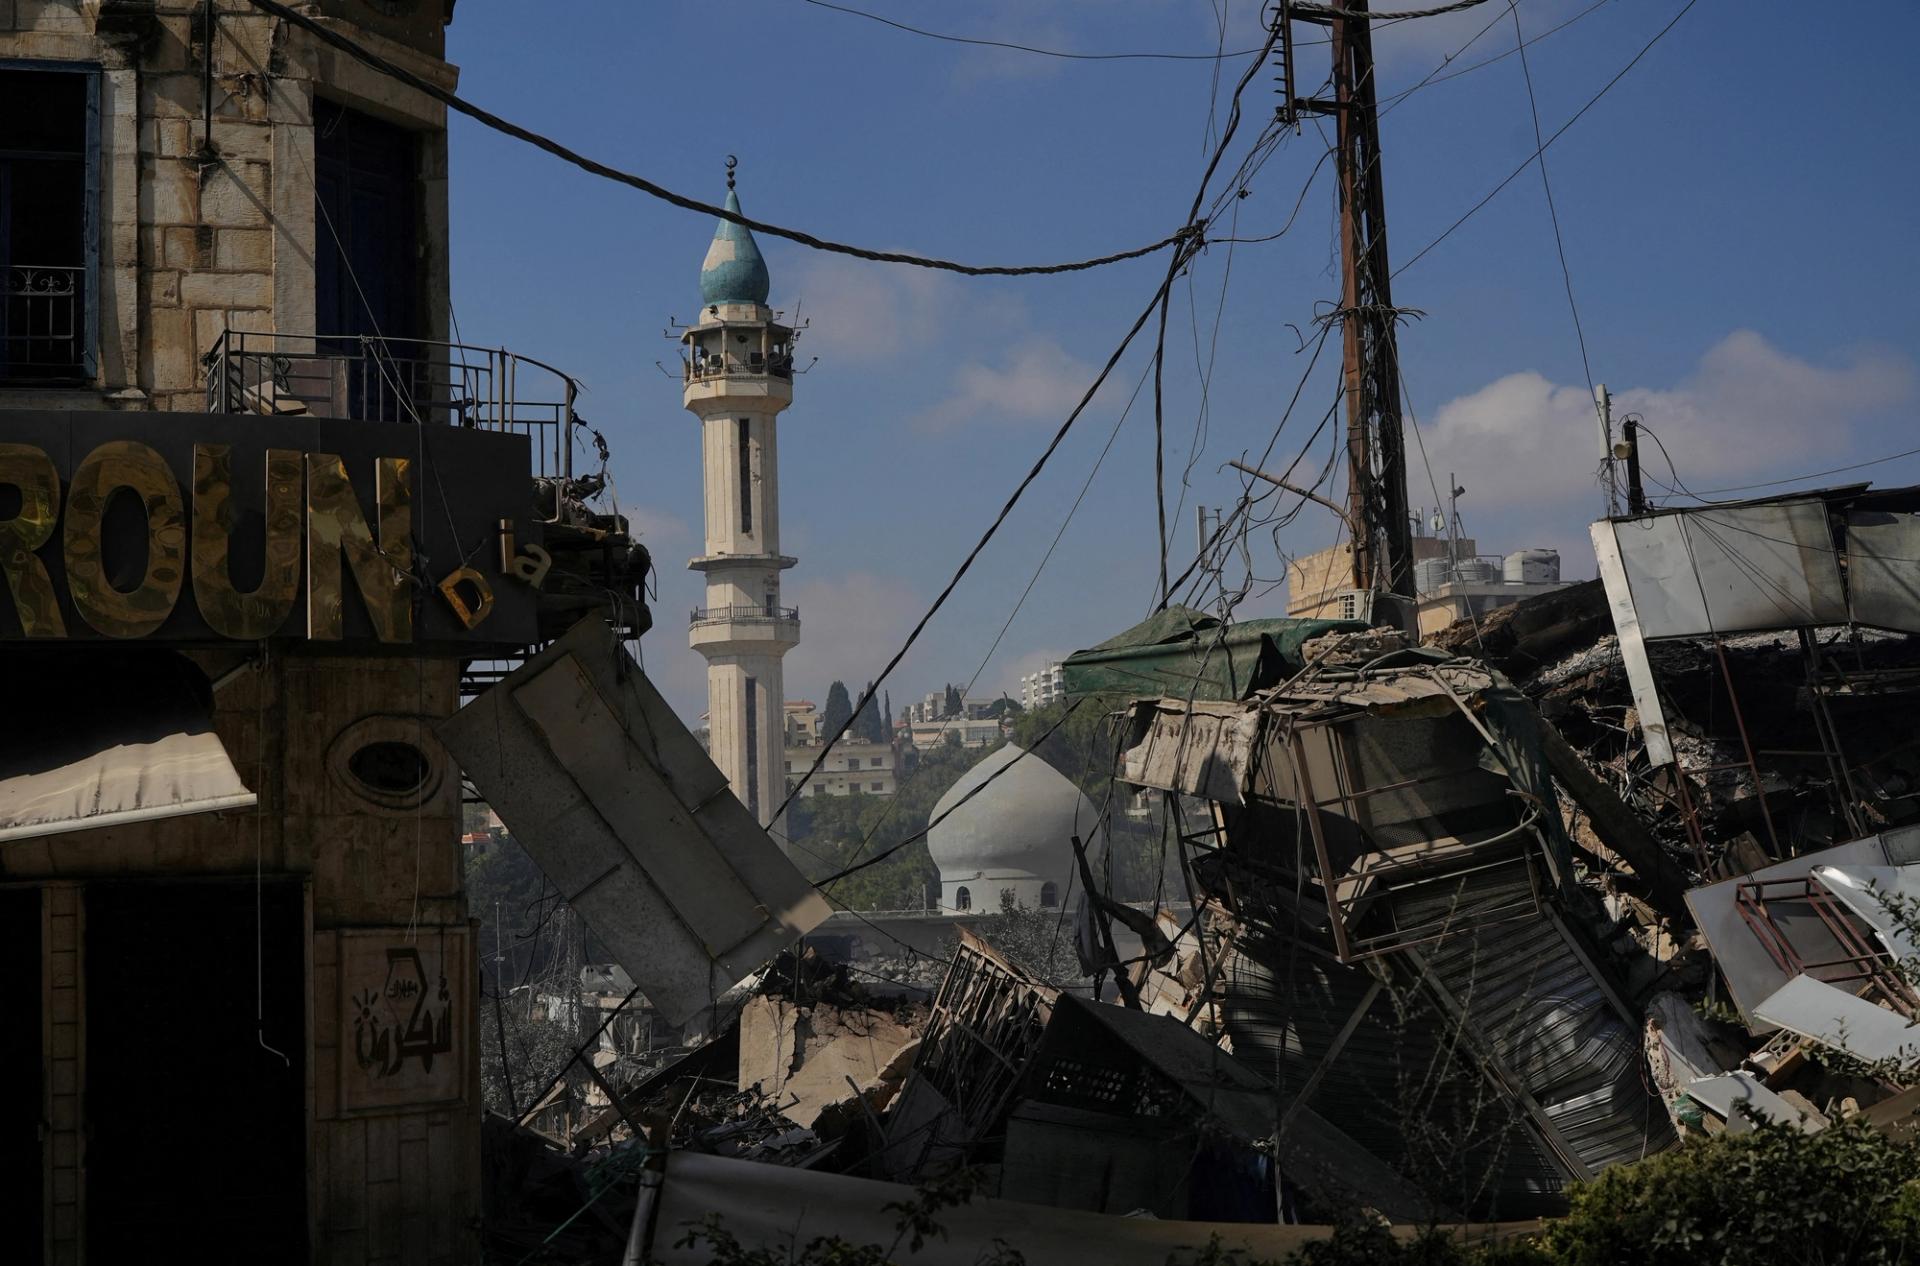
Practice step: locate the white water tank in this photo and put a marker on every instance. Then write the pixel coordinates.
(1428, 575)
(1476, 571)
(1532, 567)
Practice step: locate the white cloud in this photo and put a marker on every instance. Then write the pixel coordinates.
(656, 528)
(849, 627)
(1528, 449)
(1036, 379)
(861, 313)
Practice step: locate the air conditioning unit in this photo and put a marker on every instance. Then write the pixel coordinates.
(1354, 604)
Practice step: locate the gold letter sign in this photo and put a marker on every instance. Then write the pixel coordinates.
(227, 611)
(31, 471)
(115, 465)
(335, 523)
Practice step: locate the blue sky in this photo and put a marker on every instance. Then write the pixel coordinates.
(1738, 217)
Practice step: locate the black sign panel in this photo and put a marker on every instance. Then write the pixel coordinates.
(208, 528)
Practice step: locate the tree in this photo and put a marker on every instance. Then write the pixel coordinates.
(839, 708)
(1004, 706)
(954, 705)
(870, 726)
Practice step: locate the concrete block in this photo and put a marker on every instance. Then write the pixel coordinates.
(177, 137)
(183, 250)
(50, 16)
(250, 142)
(163, 288)
(236, 196)
(175, 96)
(169, 192)
(247, 249)
(226, 290)
(169, 355)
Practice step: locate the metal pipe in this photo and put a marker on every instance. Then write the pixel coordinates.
(1766, 814)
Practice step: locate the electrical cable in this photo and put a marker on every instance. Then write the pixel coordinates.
(879, 857)
(1435, 77)
(1216, 58)
(1553, 212)
(1188, 246)
(966, 563)
(453, 102)
(1515, 173)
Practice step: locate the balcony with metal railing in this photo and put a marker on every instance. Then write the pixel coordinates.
(43, 323)
(744, 628)
(745, 614)
(413, 381)
(734, 365)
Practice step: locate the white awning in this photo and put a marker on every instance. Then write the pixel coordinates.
(99, 739)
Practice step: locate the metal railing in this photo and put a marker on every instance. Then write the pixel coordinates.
(370, 379)
(43, 322)
(713, 615)
(753, 364)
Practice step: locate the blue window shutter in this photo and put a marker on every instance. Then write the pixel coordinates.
(93, 232)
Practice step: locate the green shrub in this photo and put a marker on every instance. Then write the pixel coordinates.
(1769, 1197)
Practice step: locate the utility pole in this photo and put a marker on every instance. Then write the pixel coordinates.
(1376, 454)
(1636, 495)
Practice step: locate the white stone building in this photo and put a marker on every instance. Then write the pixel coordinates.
(1048, 685)
(738, 376)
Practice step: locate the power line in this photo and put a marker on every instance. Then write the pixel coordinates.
(594, 167)
(1029, 48)
(1553, 212)
(1812, 474)
(926, 830)
(966, 563)
(1515, 173)
(1435, 77)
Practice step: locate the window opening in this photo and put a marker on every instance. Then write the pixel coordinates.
(753, 747)
(746, 475)
(49, 186)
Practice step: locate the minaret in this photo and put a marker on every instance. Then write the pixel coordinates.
(739, 376)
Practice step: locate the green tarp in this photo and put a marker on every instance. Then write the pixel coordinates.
(1184, 653)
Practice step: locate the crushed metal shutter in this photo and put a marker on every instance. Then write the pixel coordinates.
(607, 791)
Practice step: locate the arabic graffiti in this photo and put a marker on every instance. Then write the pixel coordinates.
(402, 1019)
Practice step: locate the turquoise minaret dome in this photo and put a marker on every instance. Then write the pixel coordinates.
(734, 271)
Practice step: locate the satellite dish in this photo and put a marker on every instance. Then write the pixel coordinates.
(1622, 450)
(1438, 523)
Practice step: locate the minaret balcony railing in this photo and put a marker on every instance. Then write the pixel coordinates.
(745, 615)
(753, 365)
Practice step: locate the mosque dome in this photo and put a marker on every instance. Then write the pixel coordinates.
(1016, 834)
(734, 271)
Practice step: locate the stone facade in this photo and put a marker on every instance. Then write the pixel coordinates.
(204, 229)
(194, 240)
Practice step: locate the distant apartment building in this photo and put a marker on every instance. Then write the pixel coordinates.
(1039, 689)
(869, 768)
(804, 722)
(933, 707)
(967, 731)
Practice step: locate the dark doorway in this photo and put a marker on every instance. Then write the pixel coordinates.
(47, 125)
(23, 1173)
(196, 1132)
(368, 271)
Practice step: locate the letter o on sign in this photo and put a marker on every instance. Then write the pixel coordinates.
(144, 608)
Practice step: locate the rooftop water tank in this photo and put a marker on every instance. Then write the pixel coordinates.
(1532, 567)
(1428, 575)
(1475, 571)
